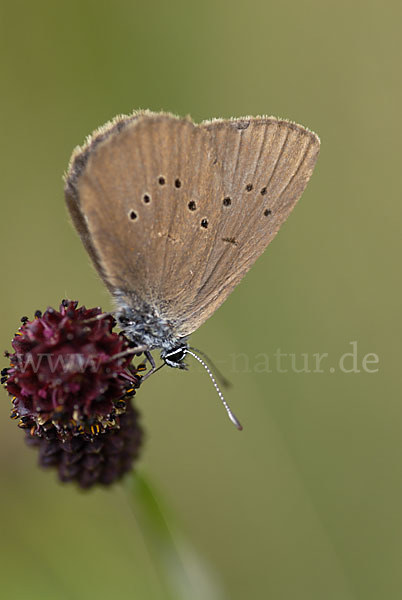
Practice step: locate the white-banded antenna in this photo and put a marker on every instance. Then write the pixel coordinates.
(231, 416)
(218, 374)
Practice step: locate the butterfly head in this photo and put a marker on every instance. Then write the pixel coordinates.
(174, 358)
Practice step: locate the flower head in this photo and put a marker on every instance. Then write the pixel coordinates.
(101, 460)
(70, 374)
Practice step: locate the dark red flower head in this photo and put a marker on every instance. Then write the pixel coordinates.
(103, 459)
(70, 374)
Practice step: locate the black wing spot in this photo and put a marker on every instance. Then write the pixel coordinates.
(267, 212)
(133, 215)
(227, 201)
(263, 191)
(161, 180)
(177, 183)
(192, 205)
(204, 223)
(249, 187)
(146, 198)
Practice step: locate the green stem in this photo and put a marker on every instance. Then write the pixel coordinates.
(181, 572)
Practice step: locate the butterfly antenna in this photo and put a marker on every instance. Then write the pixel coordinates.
(231, 416)
(222, 379)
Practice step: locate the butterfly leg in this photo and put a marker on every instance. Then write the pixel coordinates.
(150, 358)
(154, 368)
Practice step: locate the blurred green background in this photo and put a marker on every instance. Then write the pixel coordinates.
(306, 502)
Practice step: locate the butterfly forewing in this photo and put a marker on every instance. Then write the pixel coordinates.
(134, 192)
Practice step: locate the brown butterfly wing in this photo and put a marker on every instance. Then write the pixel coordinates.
(264, 166)
(149, 197)
(150, 169)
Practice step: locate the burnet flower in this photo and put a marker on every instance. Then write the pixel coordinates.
(71, 382)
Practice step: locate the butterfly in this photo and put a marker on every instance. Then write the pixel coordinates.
(174, 214)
